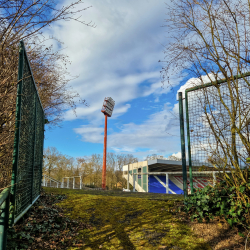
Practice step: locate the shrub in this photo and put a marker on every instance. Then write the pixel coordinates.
(221, 200)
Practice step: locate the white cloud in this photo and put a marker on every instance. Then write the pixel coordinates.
(177, 155)
(115, 58)
(155, 133)
(193, 82)
(88, 133)
(119, 59)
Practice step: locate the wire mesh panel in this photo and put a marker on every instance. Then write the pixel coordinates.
(77, 182)
(73, 182)
(28, 148)
(50, 182)
(38, 150)
(65, 182)
(217, 124)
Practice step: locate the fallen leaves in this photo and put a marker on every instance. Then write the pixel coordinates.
(45, 226)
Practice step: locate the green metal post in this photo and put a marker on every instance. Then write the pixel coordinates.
(189, 147)
(4, 217)
(41, 167)
(183, 152)
(34, 152)
(17, 132)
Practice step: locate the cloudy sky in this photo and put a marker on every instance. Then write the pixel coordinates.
(119, 59)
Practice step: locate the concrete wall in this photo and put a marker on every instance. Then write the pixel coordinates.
(133, 168)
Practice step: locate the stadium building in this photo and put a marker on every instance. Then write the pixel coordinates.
(164, 176)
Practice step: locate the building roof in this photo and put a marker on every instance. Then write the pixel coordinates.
(159, 165)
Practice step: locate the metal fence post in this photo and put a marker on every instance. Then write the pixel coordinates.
(183, 153)
(189, 147)
(133, 182)
(80, 182)
(68, 182)
(214, 178)
(167, 184)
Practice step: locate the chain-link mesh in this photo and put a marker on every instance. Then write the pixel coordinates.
(38, 150)
(30, 148)
(218, 125)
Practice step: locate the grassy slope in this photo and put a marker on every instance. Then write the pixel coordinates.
(123, 220)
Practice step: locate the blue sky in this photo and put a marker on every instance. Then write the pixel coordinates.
(119, 59)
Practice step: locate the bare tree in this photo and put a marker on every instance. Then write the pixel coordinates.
(58, 165)
(79, 167)
(209, 40)
(25, 20)
(51, 159)
(89, 168)
(173, 158)
(123, 159)
(154, 156)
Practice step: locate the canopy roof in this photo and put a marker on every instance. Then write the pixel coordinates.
(159, 165)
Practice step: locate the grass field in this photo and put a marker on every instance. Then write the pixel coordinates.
(123, 220)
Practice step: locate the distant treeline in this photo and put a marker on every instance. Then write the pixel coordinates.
(57, 166)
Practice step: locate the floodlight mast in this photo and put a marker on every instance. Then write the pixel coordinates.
(107, 110)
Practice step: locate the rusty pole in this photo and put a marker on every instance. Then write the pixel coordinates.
(104, 155)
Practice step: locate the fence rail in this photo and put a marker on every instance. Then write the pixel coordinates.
(70, 184)
(50, 182)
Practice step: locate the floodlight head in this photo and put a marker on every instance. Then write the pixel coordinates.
(108, 106)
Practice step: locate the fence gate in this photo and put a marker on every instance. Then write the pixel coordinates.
(217, 119)
(28, 142)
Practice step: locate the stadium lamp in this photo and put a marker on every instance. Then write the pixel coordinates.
(107, 110)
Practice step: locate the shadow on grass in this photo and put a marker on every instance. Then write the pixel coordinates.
(128, 222)
(153, 196)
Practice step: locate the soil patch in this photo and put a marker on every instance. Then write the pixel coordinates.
(217, 233)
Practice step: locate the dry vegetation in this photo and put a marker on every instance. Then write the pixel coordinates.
(217, 233)
(25, 20)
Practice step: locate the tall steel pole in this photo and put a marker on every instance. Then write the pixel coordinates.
(104, 154)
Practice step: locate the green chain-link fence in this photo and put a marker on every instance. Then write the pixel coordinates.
(28, 146)
(217, 119)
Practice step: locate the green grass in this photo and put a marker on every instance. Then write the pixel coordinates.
(122, 220)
